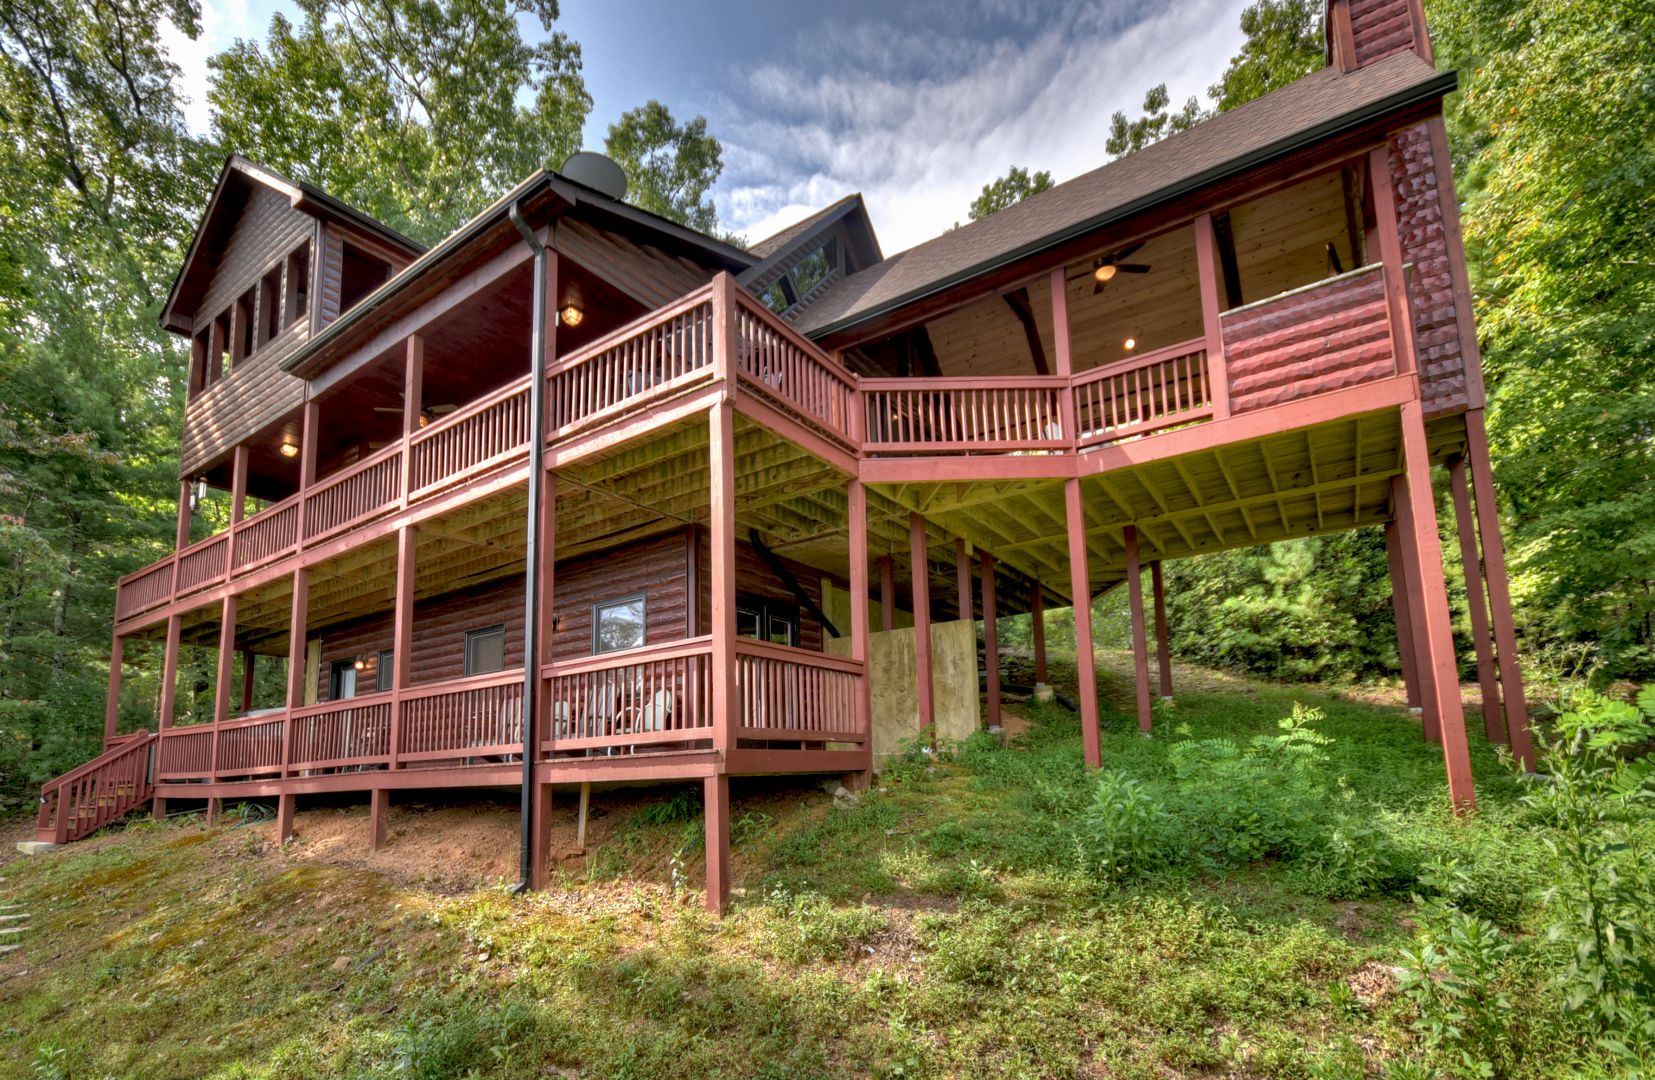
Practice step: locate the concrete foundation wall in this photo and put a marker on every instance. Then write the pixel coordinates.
(894, 687)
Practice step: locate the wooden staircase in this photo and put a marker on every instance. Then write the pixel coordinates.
(105, 789)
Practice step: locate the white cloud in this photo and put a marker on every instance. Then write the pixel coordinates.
(919, 119)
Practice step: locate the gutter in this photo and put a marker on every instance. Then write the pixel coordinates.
(531, 568)
(1431, 89)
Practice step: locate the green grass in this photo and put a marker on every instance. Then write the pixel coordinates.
(947, 926)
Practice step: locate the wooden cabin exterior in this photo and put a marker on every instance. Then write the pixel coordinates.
(1254, 330)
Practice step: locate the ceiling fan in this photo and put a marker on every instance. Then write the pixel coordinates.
(1105, 267)
(427, 414)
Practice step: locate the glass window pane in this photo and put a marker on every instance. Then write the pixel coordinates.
(384, 669)
(618, 624)
(485, 650)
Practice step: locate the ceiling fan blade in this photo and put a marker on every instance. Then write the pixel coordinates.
(1126, 252)
(440, 410)
(1132, 268)
(1097, 287)
(389, 408)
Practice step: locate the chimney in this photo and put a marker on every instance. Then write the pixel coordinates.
(1362, 32)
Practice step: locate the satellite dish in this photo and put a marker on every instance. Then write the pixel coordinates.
(596, 172)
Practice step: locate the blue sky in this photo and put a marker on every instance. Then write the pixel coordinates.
(914, 104)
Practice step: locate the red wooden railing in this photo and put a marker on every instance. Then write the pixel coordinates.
(203, 562)
(486, 433)
(250, 746)
(103, 790)
(796, 695)
(989, 415)
(655, 695)
(340, 734)
(355, 494)
(776, 361)
(1142, 394)
(185, 753)
(272, 532)
(472, 718)
(149, 587)
(633, 366)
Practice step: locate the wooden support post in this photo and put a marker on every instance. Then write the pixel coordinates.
(247, 661)
(112, 698)
(1420, 533)
(1140, 647)
(857, 526)
(921, 585)
(1404, 622)
(887, 592)
(182, 538)
(716, 797)
(1494, 726)
(402, 636)
(284, 817)
(580, 819)
(722, 555)
(379, 812)
(214, 808)
(1390, 254)
(962, 571)
(1206, 267)
(226, 659)
(540, 858)
(1037, 630)
(238, 482)
(1499, 591)
(991, 642)
(297, 640)
(1413, 587)
(1080, 587)
(169, 673)
(413, 403)
(309, 431)
(1063, 363)
(1163, 643)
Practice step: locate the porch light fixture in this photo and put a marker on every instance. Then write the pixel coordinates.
(361, 664)
(570, 315)
(289, 450)
(1130, 343)
(1104, 272)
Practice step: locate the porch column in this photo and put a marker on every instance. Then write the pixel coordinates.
(715, 797)
(921, 574)
(379, 812)
(1420, 533)
(887, 592)
(1413, 586)
(247, 662)
(722, 556)
(857, 522)
(962, 570)
(112, 702)
(297, 640)
(1140, 647)
(310, 428)
(1037, 630)
(1493, 722)
(1063, 363)
(413, 401)
(169, 674)
(1206, 268)
(402, 636)
(991, 642)
(1080, 587)
(238, 483)
(1163, 646)
(226, 659)
(181, 538)
(1499, 591)
(1404, 623)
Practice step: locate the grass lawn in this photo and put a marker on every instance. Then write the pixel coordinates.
(975, 915)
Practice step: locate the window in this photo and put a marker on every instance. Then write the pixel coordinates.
(384, 669)
(298, 286)
(341, 680)
(245, 314)
(618, 624)
(200, 366)
(359, 274)
(767, 620)
(485, 650)
(270, 304)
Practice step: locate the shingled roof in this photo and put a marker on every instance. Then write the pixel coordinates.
(1312, 108)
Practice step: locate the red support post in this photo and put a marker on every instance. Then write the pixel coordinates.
(1163, 643)
(112, 699)
(284, 816)
(1499, 591)
(1420, 533)
(1063, 363)
(1413, 584)
(169, 673)
(722, 555)
(962, 571)
(238, 504)
(540, 858)
(1080, 587)
(413, 404)
(226, 660)
(402, 636)
(857, 525)
(379, 811)
(1406, 655)
(1493, 722)
(1037, 630)
(887, 592)
(1206, 266)
(182, 538)
(991, 641)
(297, 640)
(716, 798)
(247, 662)
(921, 585)
(1140, 647)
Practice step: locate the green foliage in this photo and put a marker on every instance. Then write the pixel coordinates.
(1017, 185)
(669, 166)
(681, 805)
(804, 927)
(1125, 829)
(1156, 123)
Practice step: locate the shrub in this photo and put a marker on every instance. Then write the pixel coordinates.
(1124, 830)
(803, 927)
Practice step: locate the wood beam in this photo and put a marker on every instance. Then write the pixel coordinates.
(1086, 672)
(1494, 726)
(991, 641)
(1163, 644)
(1499, 592)
(920, 573)
(1140, 648)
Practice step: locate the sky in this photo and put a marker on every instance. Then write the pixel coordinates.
(914, 103)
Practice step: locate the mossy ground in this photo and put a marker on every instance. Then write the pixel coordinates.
(944, 927)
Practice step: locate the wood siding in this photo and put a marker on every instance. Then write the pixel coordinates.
(1442, 373)
(1380, 28)
(647, 274)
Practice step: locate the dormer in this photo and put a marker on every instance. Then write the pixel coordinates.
(801, 263)
(271, 260)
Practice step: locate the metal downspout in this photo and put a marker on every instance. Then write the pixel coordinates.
(531, 572)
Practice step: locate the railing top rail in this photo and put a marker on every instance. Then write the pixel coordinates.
(378, 457)
(1311, 287)
(378, 697)
(757, 307)
(140, 740)
(667, 650)
(270, 511)
(275, 716)
(966, 382)
(507, 677)
(793, 654)
(470, 409)
(146, 570)
(1132, 363)
(649, 321)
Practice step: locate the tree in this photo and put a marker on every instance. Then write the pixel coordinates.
(1130, 136)
(669, 166)
(1017, 185)
(410, 109)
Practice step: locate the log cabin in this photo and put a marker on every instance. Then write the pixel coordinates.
(580, 495)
